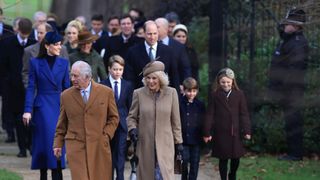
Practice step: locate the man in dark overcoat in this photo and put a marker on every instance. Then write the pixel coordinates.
(146, 51)
(11, 52)
(286, 79)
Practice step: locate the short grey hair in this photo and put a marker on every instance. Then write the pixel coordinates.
(162, 22)
(47, 26)
(163, 78)
(39, 14)
(84, 68)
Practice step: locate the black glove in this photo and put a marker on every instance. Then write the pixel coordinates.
(179, 149)
(134, 135)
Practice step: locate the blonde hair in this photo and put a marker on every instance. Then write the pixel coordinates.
(116, 59)
(163, 78)
(74, 23)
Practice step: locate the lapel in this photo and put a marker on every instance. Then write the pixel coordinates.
(47, 71)
(56, 69)
(144, 54)
(223, 99)
(93, 94)
(77, 96)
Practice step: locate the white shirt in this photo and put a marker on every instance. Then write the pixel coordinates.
(94, 33)
(21, 40)
(165, 40)
(112, 84)
(154, 49)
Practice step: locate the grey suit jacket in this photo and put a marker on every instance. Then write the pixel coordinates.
(31, 52)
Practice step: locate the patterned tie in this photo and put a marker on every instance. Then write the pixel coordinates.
(116, 90)
(150, 54)
(23, 43)
(85, 97)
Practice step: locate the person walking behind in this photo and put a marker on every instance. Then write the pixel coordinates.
(89, 55)
(154, 124)
(286, 80)
(87, 122)
(123, 96)
(48, 77)
(192, 112)
(228, 118)
(13, 94)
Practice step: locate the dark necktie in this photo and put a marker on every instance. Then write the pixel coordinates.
(116, 96)
(23, 43)
(150, 54)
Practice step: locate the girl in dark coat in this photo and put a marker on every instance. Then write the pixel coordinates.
(228, 117)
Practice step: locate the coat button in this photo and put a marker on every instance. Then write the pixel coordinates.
(187, 114)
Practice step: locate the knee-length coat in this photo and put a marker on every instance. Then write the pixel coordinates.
(47, 84)
(86, 129)
(228, 118)
(158, 124)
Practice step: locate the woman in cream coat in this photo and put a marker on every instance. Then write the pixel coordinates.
(155, 120)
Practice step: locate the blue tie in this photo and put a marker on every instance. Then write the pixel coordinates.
(116, 90)
(150, 54)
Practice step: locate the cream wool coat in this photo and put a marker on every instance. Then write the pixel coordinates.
(158, 123)
(86, 129)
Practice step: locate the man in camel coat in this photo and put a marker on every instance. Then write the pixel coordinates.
(87, 122)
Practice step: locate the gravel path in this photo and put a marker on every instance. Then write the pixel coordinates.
(9, 161)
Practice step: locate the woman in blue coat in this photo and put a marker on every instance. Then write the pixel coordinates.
(48, 77)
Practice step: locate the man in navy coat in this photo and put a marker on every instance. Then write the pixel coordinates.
(123, 96)
(144, 52)
(121, 43)
(11, 52)
(179, 51)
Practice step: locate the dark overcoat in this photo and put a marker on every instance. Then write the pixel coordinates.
(228, 118)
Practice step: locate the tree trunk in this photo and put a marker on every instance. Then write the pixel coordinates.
(215, 38)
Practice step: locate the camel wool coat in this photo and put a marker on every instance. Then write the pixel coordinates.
(158, 123)
(87, 129)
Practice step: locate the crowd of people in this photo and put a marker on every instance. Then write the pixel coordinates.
(87, 92)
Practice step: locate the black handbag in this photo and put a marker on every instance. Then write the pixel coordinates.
(178, 164)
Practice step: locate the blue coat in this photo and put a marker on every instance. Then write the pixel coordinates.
(43, 101)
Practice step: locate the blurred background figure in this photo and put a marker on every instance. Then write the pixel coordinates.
(38, 18)
(173, 20)
(86, 53)
(13, 95)
(180, 33)
(72, 31)
(5, 29)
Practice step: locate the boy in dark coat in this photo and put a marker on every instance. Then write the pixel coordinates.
(191, 113)
(123, 96)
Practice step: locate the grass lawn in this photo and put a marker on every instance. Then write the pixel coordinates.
(266, 167)
(25, 8)
(7, 175)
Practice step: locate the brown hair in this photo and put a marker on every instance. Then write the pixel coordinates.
(116, 59)
(190, 83)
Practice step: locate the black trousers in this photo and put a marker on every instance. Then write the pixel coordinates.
(292, 109)
(23, 132)
(223, 168)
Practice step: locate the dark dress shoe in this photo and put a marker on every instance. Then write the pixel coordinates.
(22, 155)
(289, 158)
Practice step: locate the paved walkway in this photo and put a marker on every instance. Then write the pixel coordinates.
(9, 161)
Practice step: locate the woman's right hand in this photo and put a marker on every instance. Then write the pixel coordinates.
(26, 117)
(207, 139)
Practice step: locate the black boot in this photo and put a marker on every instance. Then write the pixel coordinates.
(232, 176)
